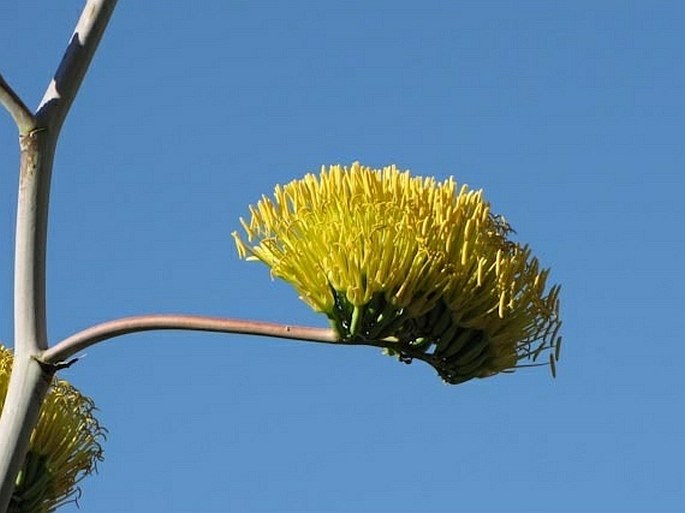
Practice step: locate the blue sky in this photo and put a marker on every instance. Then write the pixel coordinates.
(570, 116)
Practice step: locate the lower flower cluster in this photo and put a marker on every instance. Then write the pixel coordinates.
(64, 447)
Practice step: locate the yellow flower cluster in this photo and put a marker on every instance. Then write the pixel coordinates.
(64, 446)
(419, 267)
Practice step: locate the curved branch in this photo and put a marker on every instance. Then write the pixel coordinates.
(68, 347)
(15, 106)
(60, 355)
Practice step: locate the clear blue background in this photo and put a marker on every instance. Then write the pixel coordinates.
(569, 114)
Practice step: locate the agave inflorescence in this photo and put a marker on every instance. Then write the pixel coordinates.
(64, 446)
(420, 267)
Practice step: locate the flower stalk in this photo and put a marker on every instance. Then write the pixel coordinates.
(39, 133)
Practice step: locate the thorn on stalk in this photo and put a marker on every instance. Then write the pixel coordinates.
(52, 368)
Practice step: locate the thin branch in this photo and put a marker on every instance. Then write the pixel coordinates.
(68, 347)
(62, 89)
(15, 106)
(60, 355)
